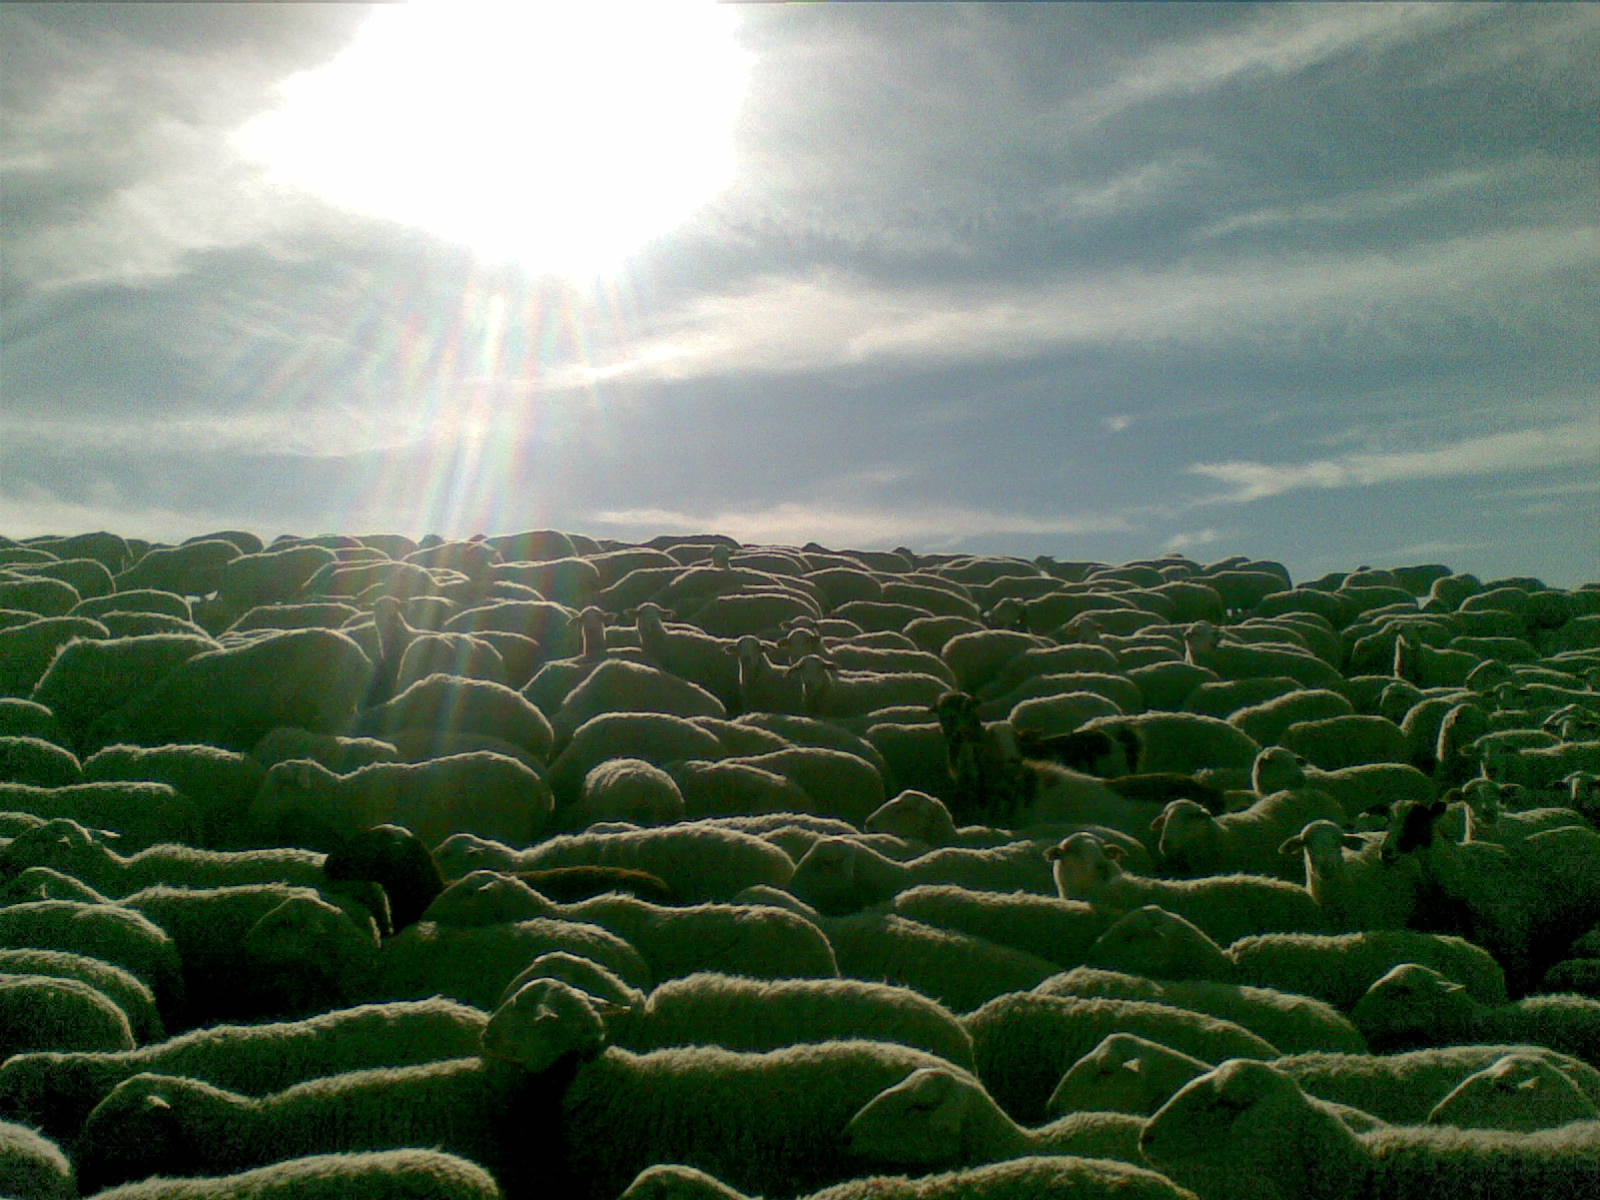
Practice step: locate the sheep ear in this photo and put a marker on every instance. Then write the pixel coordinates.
(1114, 852)
(1159, 824)
(1353, 842)
(1293, 845)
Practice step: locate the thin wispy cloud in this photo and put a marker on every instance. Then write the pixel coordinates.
(831, 319)
(794, 523)
(1543, 448)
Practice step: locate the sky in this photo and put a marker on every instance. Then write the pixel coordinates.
(1315, 283)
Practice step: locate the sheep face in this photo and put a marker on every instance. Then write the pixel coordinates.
(1520, 1092)
(918, 1122)
(1409, 1003)
(1126, 1074)
(543, 1023)
(1083, 864)
(1246, 1130)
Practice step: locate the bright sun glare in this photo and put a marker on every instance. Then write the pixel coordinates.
(559, 135)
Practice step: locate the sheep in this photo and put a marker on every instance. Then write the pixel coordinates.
(1268, 721)
(46, 1012)
(936, 1117)
(1413, 1005)
(1346, 741)
(129, 993)
(1404, 1088)
(959, 970)
(482, 793)
(699, 862)
(1011, 1179)
(614, 998)
(261, 950)
(726, 788)
(658, 738)
(411, 1172)
(768, 1122)
(1524, 904)
(1363, 788)
(57, 1091)
(1182, 742)
(107, 932)
(915, 816)
(615, 685)
(1246, 1129)
(795, 730)
(838, 875)
(830, 692)
(1057, 931)
(1203, 645)
(46, 883)
(1023, 1043)
(35, 761)
(1519, 1093)
(1293, 1023)
(33, 1167)
(1339, 968)
(1125, 1073)
(453, 703)
(1250, 840)
(756, 1015)
(310, 678)
(141, 813)
(474, 964)
(1226, 907)
(90, 676)
(1153, 942)
(758, 941)
(341, 754)
(67, 846)
(152, 1123)
(28, 718)
(1349, 881)
(762, 687)
(703, 660)
(220, 784)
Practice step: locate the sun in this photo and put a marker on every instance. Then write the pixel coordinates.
(557, 135)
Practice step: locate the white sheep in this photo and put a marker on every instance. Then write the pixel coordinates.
(57, 1091)
(769, 1122)
(1339, 968)
(1058, 931)
(625, 789)
(430, 1173)
(1204, 645)
(1403, 1088)
(1249, 840)
(689, 653)
(141, 814)
(1413, 1005)
(456, 704)
(659, 738)
(1125, 1073)
(742, 1013)
(108, 932)
(839, 875)
(959, 970)
(1519, 1093)
(33, 1167)
(85, 854)
(1247, 1130)
(1346, 876)
(937, 1117)
(1226, 907)
(482, 793)
(310, 678)
(699, 861)
(218, 783)
(129, 993)
(1023, 1043)
(1150, 941)
(48, 1012)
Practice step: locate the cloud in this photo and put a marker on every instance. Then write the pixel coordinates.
(794, 523)
(1573, 444)
(1117, 422)
(828, 318)
(1278, 42)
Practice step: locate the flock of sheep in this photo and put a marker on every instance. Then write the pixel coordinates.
(541, 866)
